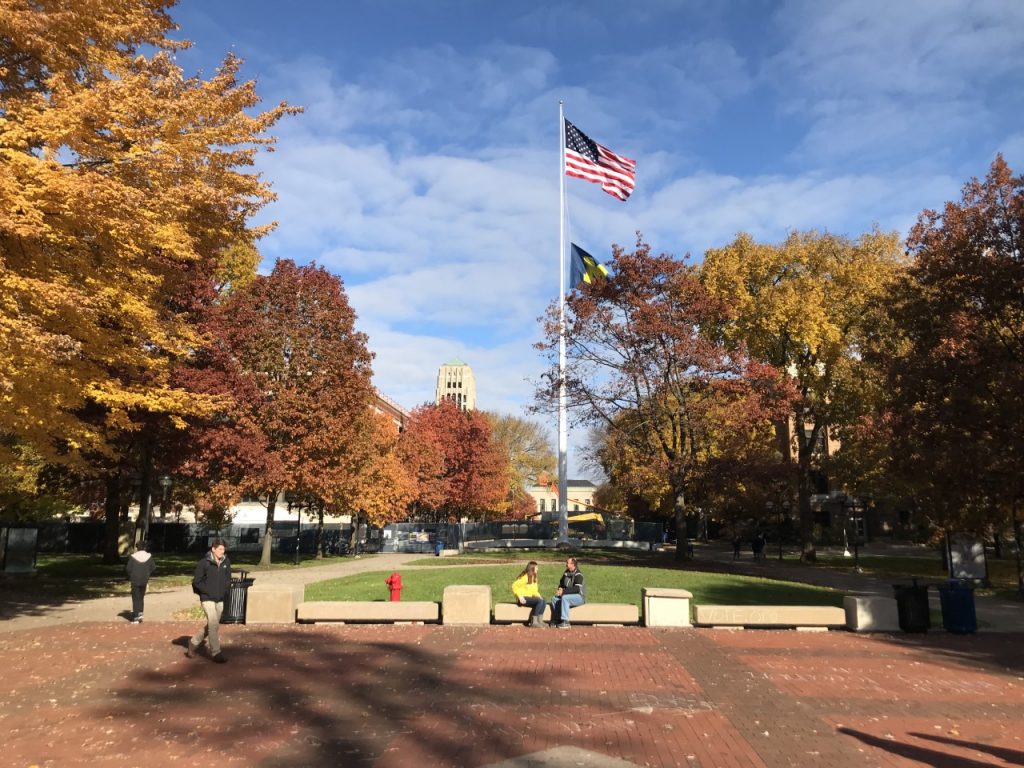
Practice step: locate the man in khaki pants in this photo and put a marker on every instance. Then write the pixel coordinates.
(211, 581)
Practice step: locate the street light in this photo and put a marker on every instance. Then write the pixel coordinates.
(783, 514)
(298, 530)
(165, 483)
(854, 506)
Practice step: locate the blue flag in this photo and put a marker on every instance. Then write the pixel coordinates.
(584, 268)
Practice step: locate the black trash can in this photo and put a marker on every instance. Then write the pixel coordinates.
(238, 593)
(912, 607)
(958, 614)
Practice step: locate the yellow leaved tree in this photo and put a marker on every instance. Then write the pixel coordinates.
(800, 306)
(126, 195)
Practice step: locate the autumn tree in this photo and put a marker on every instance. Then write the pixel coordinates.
(528, 451)
(642, 364)
(459, 468)
(388, 486)
(284, 349)
(956, 371)
(120, 178)
(799, 306)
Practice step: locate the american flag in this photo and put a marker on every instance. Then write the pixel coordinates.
(588, 160)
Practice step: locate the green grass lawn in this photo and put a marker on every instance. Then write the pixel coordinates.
(606, 583)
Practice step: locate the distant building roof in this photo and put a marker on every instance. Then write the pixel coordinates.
(456, 361)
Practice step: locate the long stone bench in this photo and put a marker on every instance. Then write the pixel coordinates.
(368, 611)
(769, 616)
(588, 613)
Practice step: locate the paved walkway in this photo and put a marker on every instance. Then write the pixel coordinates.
(82, 687)
(166, 605)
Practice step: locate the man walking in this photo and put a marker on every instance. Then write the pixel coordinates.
(139, 568)
(570, 593)
(211, 581)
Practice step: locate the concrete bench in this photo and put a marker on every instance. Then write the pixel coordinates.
(666, 607)
(272, 604)
(466, 604)
(588, 613)
(769, 616)
(871, 613)
(368, 612)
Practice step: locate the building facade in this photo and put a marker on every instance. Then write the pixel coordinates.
(579, 496)
(455, 382)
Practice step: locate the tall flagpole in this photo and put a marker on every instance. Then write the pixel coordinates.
(563, 421)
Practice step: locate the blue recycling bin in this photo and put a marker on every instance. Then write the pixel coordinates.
(957, 600)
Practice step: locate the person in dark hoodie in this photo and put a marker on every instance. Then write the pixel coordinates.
(139, 568)
(211, 581)
(571, 592)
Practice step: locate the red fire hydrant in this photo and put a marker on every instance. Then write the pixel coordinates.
(394, 582)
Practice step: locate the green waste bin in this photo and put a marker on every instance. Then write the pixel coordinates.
(958, 614)
(912, 607)
(238, 595)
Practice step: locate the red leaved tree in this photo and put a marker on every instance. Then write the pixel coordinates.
(459, 469)
(644, 365)
(285, 350)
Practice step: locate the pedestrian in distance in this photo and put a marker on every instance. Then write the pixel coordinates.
(526, 589)
(758, 547)
(571, 592)
(737, 543)
(139, 568)
(211, 581)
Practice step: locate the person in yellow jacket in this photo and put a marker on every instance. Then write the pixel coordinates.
(527, 592)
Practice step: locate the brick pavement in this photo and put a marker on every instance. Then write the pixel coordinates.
(116, 694)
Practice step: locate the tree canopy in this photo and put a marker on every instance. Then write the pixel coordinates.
(800, 307)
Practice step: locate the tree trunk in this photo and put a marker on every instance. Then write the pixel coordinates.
(112, 520)
(145, 494)
(268, 534)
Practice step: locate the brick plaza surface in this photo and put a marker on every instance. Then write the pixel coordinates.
(116, 694)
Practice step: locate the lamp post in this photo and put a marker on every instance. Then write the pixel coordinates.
(854, 508)
(783, 516)
(165, 483)
(298, 531)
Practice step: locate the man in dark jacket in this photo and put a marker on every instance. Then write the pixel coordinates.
(211, 581)
(571, 592)
(139, 568)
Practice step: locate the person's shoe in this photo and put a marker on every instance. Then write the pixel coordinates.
(190, 650)
(535, 622)
(218, 658)
(563, 625)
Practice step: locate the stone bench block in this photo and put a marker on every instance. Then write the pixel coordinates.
(588, 613)
(769, 616)
(666, 607)
(873, 613)
(506, 613)
(273, 603)
(466, 604)
(605, 613)
(368, 611)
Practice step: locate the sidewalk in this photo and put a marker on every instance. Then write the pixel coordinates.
(165, 605)
(319, 696)
(82, 687)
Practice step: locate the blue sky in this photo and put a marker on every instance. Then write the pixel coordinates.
(425, 170)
